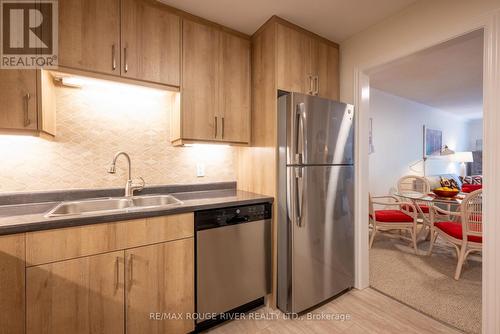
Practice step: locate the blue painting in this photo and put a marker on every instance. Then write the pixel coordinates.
(433, 141)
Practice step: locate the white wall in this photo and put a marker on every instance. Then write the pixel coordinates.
(475, 132)
(397, 134)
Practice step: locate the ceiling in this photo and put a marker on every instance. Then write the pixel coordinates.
(448, 76)
(333, 19)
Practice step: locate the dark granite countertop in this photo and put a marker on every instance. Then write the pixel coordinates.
(27, 212)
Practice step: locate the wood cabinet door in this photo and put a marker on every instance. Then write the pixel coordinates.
(293, 66)
(151, 42)
(160, 280)
(89, 35)
(327, 84)
(79, 296)
(235, 88)
(12, 283)
(18, 98)
(200, 80)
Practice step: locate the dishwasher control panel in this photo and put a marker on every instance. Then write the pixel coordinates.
(232, 215)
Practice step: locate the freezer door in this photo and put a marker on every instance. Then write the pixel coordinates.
(319, 131)
(322, 245)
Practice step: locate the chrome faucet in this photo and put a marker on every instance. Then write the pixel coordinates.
(130, 187)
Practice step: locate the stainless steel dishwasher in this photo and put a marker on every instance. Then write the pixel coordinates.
(233, 261)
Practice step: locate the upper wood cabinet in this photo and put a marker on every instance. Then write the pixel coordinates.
(89, 35)
(18, 96)
(235, 89)
(200, 80)
(150, 41)
(137, 39)
(306, 63)
(215, 90)
(27, 98)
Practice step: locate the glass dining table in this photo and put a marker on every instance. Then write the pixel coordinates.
(423, 203)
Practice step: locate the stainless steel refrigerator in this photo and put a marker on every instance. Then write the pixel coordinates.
(315, 200)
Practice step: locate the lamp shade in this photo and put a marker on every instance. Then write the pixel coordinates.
(462, 157)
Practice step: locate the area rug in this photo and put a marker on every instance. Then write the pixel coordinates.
(426, 282)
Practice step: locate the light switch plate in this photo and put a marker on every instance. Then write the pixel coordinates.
(200, 170)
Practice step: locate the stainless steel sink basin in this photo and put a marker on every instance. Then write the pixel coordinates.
(157, 200)
(107, 205)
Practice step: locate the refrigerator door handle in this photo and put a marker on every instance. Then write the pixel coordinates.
(299, 134)
(299, 197)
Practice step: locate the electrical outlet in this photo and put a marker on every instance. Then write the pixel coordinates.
(200, 170)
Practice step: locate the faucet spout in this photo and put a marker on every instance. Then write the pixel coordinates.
(129, 186)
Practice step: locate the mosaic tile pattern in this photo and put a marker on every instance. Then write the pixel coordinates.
(95, 122)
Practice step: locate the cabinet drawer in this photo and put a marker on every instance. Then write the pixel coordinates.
(67, 243)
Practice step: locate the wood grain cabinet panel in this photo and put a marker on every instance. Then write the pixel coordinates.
(18, 98)
(79, 296)
(160, 278)
(200, 78)
(328, 71)
(151, 41)
(89, 35)
(293, 63)
(12, 284)
(235, 88)
(67, 243)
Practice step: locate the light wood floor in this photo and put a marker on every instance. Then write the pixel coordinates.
(370, 312)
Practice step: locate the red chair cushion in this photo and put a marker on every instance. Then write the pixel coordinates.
(424, 208)
(468, 188)
(455, 230)
(392, 216)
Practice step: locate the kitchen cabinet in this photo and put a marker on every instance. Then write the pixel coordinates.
(12, 283)
(18, 95)
(235, 89)
(306, 63)
(160, 278)
(27, 98)
(150, 41)
(79, 296)
(105, 278)
(215, 91)
(200, 79)
(89, 35)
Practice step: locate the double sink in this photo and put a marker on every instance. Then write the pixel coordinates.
(113, 204)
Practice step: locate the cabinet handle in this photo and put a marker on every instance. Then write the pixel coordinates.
(125, 59)
(310, 92)
(130, 271)
(215, 127)
(113, 57)
(316, 80)
(117, 273)
(222, 120)
(27, 120)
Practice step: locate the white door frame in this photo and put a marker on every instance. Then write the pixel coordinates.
(491, 165)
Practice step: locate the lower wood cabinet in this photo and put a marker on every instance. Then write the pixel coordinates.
(160, 279)
(84, 295)
(129, 277)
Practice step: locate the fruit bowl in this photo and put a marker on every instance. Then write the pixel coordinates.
(446, 192)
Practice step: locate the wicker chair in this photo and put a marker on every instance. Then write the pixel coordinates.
(402, 218)
(418, 185)
(467, 234)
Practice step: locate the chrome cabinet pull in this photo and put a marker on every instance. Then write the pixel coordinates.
(311, 83)
(117, 273)
(316, 85)
(27, 120)
(222, 120)
(215, 135)
(130, 271)
(113, 57)
(125, 59)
